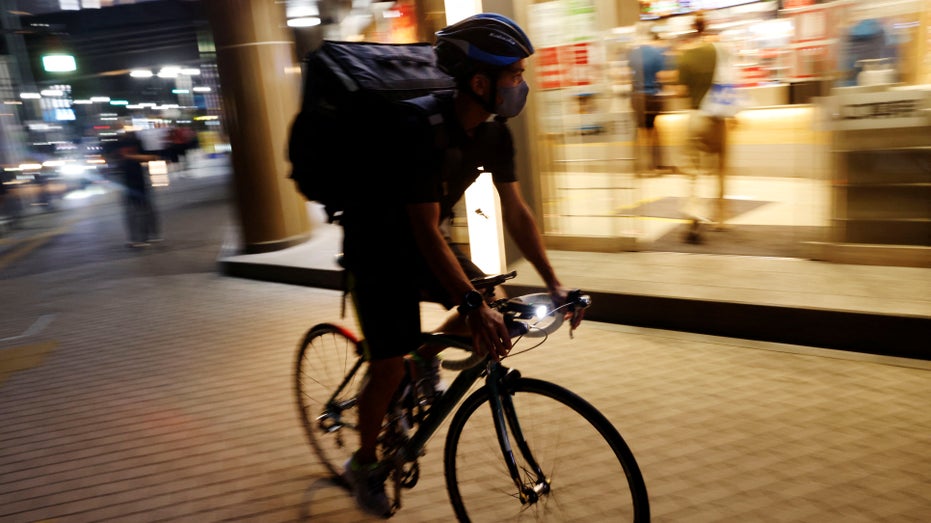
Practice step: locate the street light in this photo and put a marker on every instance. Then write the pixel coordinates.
(59, 63)
(169, 71)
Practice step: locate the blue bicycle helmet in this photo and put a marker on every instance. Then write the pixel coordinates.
(481, 42)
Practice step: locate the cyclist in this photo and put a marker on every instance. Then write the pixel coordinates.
(393, 232)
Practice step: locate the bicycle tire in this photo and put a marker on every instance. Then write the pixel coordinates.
(592, 473)
(329, 357)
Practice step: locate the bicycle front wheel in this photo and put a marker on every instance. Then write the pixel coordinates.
(584, 470)
(328, 374)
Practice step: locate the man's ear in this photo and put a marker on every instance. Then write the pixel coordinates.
(480, 84)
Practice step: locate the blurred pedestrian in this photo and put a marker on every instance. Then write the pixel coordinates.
(707, 129)
(647, 61)
(141, 216)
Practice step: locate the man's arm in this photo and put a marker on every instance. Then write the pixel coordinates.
(132, 153)
(139, 157)
(523, 228)
(487, 325)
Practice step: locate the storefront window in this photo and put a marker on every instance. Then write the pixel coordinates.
(585, 146)
(605, 187)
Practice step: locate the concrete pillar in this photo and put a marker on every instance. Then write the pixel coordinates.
(260, 79)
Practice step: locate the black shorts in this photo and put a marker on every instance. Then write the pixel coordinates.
(388, 308)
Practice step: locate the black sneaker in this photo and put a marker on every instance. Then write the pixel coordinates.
(368, 487)
(428, 377)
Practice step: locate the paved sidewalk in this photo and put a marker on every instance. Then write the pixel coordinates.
(873, 309)
(144, 386)
(168, 398)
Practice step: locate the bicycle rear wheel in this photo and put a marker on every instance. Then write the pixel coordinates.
(328, 375)
(588, 471)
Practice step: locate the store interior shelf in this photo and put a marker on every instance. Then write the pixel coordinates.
(882, 195)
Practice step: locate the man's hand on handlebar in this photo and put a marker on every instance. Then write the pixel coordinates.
(562, 295)
(489, 333)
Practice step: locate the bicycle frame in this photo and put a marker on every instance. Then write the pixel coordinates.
(502, 411)
(443, 406)
(440, 409)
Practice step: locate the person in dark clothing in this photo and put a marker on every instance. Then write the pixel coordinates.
(393, 228)
(142, 221)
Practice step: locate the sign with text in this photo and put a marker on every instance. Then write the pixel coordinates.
(880, 110)
(565, 66)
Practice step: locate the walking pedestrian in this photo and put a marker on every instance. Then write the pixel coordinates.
(142, 222)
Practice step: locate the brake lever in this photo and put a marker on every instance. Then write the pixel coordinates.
(579, 303)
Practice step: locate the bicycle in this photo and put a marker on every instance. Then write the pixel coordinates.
(552, 455)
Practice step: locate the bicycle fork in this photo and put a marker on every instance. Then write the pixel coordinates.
(502, 410)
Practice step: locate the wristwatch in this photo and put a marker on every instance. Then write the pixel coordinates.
(470, 301)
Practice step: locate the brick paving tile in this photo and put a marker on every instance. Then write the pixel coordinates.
(168, 398)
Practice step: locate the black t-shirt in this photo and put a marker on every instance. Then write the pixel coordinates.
(422, 162)
(134, 178)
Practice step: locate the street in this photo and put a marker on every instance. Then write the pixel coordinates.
(141, 385)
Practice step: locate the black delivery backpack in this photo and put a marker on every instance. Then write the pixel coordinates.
(351, 97)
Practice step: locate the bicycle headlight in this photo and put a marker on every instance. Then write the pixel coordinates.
(536, 310)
